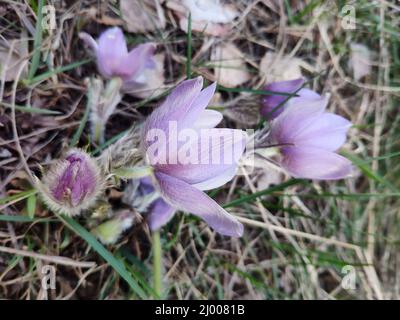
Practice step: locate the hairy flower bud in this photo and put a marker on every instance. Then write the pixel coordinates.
(109, 232)
(72, 184)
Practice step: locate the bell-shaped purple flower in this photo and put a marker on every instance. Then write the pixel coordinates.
(114, 60)
(271, 104)
(308, 138)
(176, 178)
(72, 184)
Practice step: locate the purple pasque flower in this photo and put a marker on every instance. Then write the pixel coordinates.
(72, 184)
(178, 181)
(308, 137)
(114, 60)
(270, 103)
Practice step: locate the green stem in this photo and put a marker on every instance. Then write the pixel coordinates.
(98, 135)
(157, 273)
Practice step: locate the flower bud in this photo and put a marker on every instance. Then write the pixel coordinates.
(72, 184)
(109, 232)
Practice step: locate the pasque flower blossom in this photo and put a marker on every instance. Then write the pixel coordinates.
(72, 184)
(180, 183)
(271, 108)
(114, 60)
(308, 137)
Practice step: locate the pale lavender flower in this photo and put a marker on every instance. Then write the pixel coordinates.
(72, 184)
(114, 60)
(180, 184)
(308, 138)
(270, 103)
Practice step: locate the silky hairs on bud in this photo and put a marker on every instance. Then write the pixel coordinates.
(72, 184)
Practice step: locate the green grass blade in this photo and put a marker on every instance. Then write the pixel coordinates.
(261, 193)
(61, 69)
(189, 48)
(109, 142)
(7, 218)
(368, 172)
(255, 91)
(18, 197)
(78, 132)
(31, 109)
(37, 42)
(23, 219)
(116, 264)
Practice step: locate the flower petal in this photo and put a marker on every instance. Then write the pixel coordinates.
(212, 154)
(199, 105)
(271, 102)
(111, 50)
(160, 214)
(219, 180)
(296, 117)
(175, 107)
(208, 119)
(327, 132)
(178, 111)
(89, 41)
(185, 197)
(314, 163)
(305, 93)
(138, 59)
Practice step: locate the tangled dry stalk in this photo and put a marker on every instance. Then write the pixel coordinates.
(299, 238)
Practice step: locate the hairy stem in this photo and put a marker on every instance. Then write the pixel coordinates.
(157, 273)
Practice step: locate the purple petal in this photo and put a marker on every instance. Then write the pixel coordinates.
(187, 198)
(314, 163)
(160, 214)
(146, 186)
(216, 150)
(219, 180)
(199, 105)
(327, 132)
(295, 118)
(138, 59)
(175, 107)
(77, 180)
(111, 51)
(208, 119)
(305, 93)
(89, 41)
(168, 119)
(270, 102)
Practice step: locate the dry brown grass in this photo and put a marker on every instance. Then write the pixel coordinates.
(296, 240)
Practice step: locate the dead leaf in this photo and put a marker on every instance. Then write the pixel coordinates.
(268, 178)
(10, 61)
(244, 113)
(210, 10)
(211, 29)
(142, 15)
(230, 67)
(276, 67)
(208, 16)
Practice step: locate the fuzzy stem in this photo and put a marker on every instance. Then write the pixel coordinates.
(98, 135)
(157, 273)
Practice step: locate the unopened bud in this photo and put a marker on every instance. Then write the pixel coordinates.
(72, 184)
(109, 231)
